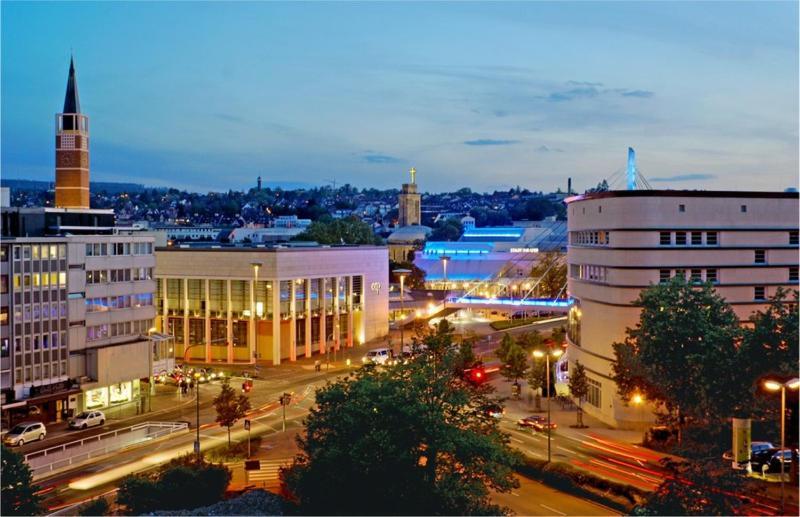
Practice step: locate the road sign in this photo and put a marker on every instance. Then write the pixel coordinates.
(247, 425)
(196, 447)
(252, 465)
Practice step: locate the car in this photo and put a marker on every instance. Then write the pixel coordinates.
(87, 419)
(378, 356)
(536, 423)
(769, 460)
(475, 374)
(754, 448)
(494, 410)
(25, 432)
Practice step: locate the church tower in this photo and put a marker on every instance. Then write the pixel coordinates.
(409, 202)
(72, 150)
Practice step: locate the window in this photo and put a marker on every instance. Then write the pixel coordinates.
(663, 276)
(665, 239)
(793, 275)
(680, 238)
(793, 237)
(696, 276)
(593, 395)
(681, 208)
(697, 238)
(760, 256)
(759, 293)
(711, 239)
(711, 276)
(744, 208)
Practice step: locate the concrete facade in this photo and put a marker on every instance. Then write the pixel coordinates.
(745, 243)
(298, 301)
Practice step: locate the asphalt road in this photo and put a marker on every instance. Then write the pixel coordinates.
(534, 498)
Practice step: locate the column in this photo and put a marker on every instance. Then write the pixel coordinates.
(276, 322)
(229, 325)
(165, 307)
(293, 321)
(207, 316)
(308, 317)
(349, 311)
(336, 330)
(185, 294)
(251, 327)
(323, 342)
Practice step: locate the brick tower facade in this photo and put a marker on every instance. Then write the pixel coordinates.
(409, 210)
(72, 150)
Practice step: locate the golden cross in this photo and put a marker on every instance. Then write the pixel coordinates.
(413, 172)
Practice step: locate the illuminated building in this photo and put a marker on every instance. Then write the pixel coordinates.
(72, 150)
(240, 304)
(745, 243)
(409, 211)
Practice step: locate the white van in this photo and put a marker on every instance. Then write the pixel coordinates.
(378, 356)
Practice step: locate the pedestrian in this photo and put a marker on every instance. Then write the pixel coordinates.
(317, 365)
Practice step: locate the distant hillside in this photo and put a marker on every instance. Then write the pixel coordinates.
(99, 186)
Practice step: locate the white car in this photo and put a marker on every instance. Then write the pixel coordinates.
(378, 356)
(25, 432)
(87, 419)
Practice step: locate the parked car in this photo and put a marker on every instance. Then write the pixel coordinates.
(769, 460)
(87, 419)
(754, 448)
(25, 432)
(536, 423)
(378, 356)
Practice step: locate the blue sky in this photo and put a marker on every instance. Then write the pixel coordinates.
(207, 96)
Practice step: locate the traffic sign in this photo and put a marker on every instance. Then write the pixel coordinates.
(247, 425)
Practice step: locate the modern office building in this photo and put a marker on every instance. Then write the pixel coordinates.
(242, 304)
(620, 242)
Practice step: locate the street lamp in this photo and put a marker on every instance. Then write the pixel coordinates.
(197, 398)
(638, 400)
(773, 385)
(538, 354)
(444, 259)
(258, 308)
(150, 380)
(402, 274)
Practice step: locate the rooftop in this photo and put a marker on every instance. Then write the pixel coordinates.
(683, 193)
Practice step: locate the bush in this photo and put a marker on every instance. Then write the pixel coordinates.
(181, 484)
(253, 502)
(97, 506)
(507, 324)
(236, 452)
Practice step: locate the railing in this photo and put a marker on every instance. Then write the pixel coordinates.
(79, 451)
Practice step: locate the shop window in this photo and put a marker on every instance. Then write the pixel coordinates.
(97, 398)
(120, 393)
(240, 333)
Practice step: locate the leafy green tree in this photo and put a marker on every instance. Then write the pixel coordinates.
(537, 378)
(411, 439)
(558, 334)
(579, 388)
(18, 491)
(506, 343)
(97, 506)
(230, 406)
(530, 340)
(686, 336)
(448, 230)
(551, 274)
(349, 230)
(515, 364)
(414, 280)
(139, 495)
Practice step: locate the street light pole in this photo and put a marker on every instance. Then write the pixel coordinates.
(402, 274)
(256, 266)
(539, 354)
(771, 385)
(197, 399)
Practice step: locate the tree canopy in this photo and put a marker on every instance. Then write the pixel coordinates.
(447, 230)
(18, 491)
(551, 274)
(348, 230)
(410, 439)
(230, 406)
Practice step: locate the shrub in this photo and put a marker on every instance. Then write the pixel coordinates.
(97, 506)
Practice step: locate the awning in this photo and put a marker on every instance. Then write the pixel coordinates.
(14, 404)
(52, 396)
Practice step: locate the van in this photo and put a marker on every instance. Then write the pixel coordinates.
(378, 356)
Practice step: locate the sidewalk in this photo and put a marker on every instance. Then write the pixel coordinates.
(276, 450)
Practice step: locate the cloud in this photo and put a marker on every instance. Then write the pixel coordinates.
(583, 83)
(642, 94)
(545, 149)
(686, 177)
(489, 141)
(586, 92)
(380, 158)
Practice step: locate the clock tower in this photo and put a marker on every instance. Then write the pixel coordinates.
(72, 150)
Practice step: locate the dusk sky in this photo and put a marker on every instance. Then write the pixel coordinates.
(484, 95)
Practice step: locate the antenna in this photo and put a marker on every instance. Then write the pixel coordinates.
(631, 176)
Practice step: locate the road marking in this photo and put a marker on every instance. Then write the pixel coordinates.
(565, 449)
(515, 494)
(517, 439)
(551, 509)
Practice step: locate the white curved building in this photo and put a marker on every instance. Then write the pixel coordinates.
(621, 242)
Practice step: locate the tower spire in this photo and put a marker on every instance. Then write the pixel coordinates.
(72, 103)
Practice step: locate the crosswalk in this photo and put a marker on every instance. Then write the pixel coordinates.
(269, 472)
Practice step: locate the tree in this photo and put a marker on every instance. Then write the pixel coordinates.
(230, 406)
(579, 387)
(411, 439)
(447, 230)
(515, 363)
(414, 280)
(530, 340)
(550, 274)
(349, 230)
(537, 377)
(558, 334)
(505, 347)
(98, 506)
(686, 336)
(18, 491)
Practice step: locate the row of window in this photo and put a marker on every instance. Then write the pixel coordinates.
(40, 252)
(102, 249)
(587, 272)
(126, 301)
(103, 276)
(589, 237)
(52, 280)
(594, 393)
(40, 372)
(124, 328)
(44, 341)
(688, 239)
(37, 312)
(695, 275)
